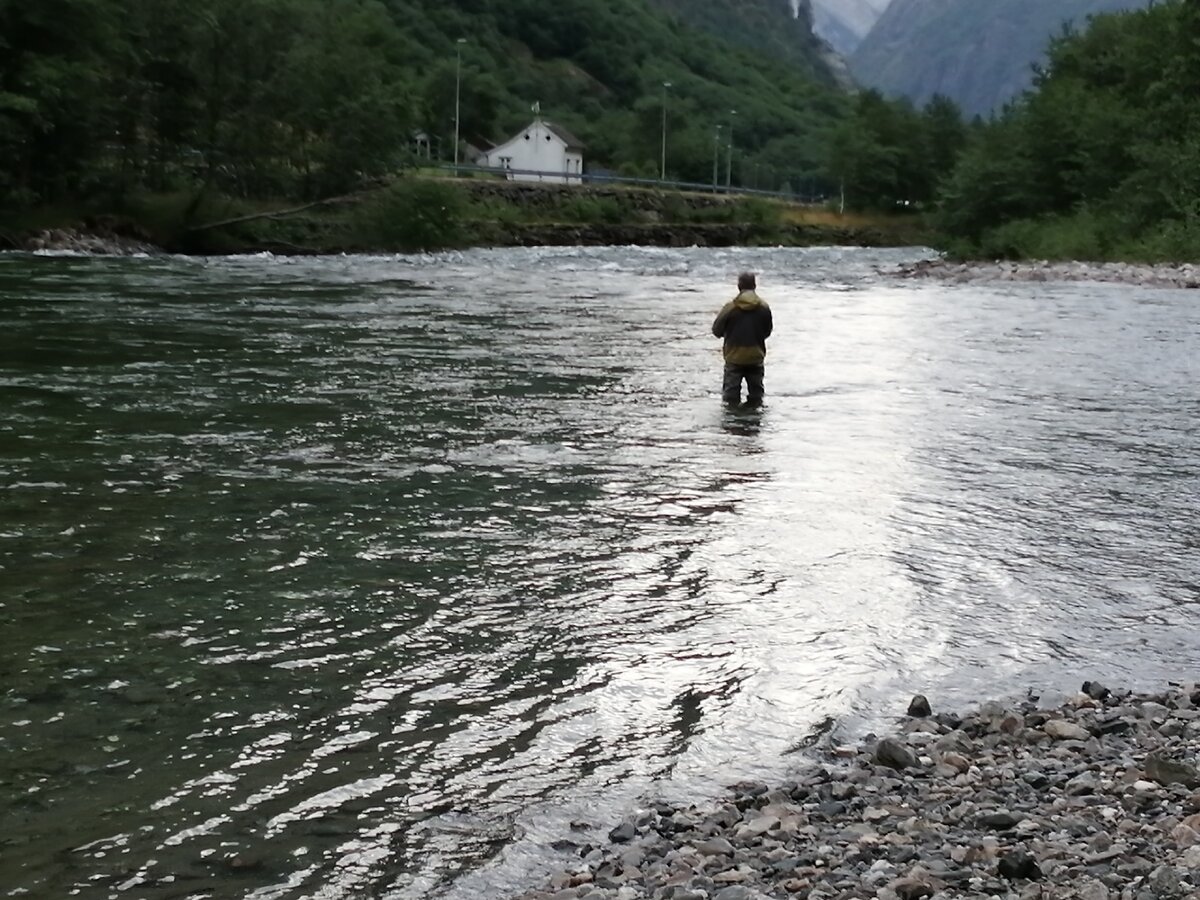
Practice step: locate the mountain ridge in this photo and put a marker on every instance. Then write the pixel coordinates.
(845, 23)
(981, 55)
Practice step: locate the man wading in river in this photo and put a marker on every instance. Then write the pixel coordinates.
(745, 323)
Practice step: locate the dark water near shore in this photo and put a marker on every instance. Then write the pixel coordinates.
(374, 573)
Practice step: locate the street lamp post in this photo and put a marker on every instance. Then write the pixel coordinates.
(716, 156)
(457, 91)
(729, 159)
(663, 169)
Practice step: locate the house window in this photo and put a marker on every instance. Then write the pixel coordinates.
(506, 162)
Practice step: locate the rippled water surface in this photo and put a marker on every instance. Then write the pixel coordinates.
(364, 577)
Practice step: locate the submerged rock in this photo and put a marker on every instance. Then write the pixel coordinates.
(623, 833)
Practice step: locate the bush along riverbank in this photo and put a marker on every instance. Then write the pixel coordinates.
(1094, 798)
(420, 214)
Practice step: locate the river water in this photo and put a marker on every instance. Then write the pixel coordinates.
(364, 577)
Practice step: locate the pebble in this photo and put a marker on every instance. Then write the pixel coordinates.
(1021, 800)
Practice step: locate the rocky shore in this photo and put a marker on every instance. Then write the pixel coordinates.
(684, 235)
(95, 236)
(1184, 275)
(1093, 797)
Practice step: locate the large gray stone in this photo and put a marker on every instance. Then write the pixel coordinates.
(919, 708)
(1165, 770)
(1062, 730)
(894, 754)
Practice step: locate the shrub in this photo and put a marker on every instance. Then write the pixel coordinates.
(1177, 241)
(415, 214)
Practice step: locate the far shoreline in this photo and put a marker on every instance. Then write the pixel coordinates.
(652, 219)
(1170, 275)
(83, 242)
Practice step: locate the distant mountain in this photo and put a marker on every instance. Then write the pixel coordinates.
(844, 23)
(980, 53)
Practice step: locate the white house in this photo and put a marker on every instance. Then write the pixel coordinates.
(542, 147)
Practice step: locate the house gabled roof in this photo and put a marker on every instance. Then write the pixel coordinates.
(572, 142)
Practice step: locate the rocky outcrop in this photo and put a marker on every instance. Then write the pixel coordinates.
(844, 23)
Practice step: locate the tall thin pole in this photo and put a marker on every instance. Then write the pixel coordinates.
(729, 160)
(663, 170)
(716, 155)
(457, 91)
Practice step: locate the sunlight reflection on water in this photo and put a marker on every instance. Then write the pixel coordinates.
(348, 576)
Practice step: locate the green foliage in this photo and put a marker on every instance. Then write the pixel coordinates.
(256, 98)
(262, 99)
(765, 26)
(1167, 241)
(888, 154)
(413, 215)
(759, 212)
(588, 209)
(1102, 158)
(1055, 238)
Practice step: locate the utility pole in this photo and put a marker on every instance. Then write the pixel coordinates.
(716, 156)
(729, 160)
(663, 171)
(457, 91)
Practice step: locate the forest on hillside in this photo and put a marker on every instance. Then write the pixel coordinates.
(101, 100)
(1101, 159)
(309, 97)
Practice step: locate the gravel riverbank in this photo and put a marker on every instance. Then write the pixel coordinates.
(1183, 275)
(1093, 797)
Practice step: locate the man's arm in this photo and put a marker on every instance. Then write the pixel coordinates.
(722, 320)
(770, 322)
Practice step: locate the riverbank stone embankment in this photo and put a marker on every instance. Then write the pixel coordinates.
(1184, 275)
(1094, 797)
